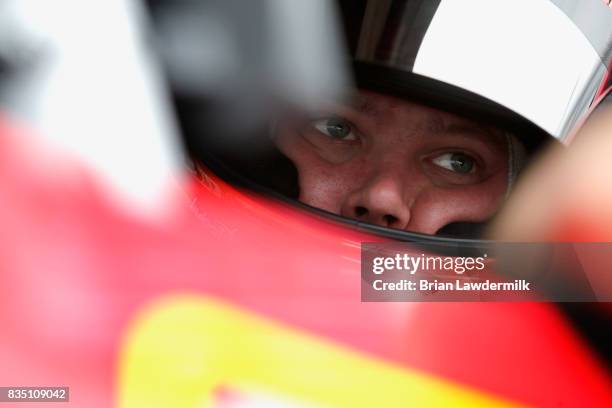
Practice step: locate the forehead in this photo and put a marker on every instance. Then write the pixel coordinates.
(393, 110)
(373, 103)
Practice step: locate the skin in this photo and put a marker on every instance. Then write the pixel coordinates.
(565, 196)
(398, 164)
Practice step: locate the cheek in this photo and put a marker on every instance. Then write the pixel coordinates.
(475, 203)
(322, 188)
(322, 184)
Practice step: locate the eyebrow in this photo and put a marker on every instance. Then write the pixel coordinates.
(487, 134)
(467, 128)
(361, 105)
(438, 126)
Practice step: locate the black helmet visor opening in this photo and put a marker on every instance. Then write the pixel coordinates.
(273, 174)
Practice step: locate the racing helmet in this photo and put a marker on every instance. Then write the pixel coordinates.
(522, 64)
(532, 68)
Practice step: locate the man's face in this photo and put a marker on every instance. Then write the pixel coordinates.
(398, 164)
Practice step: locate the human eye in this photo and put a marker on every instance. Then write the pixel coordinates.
(457, 162)
(335, 128)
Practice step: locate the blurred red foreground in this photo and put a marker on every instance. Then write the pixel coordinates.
(85, 287)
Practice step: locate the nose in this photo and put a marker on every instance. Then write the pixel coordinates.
(380, 202)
